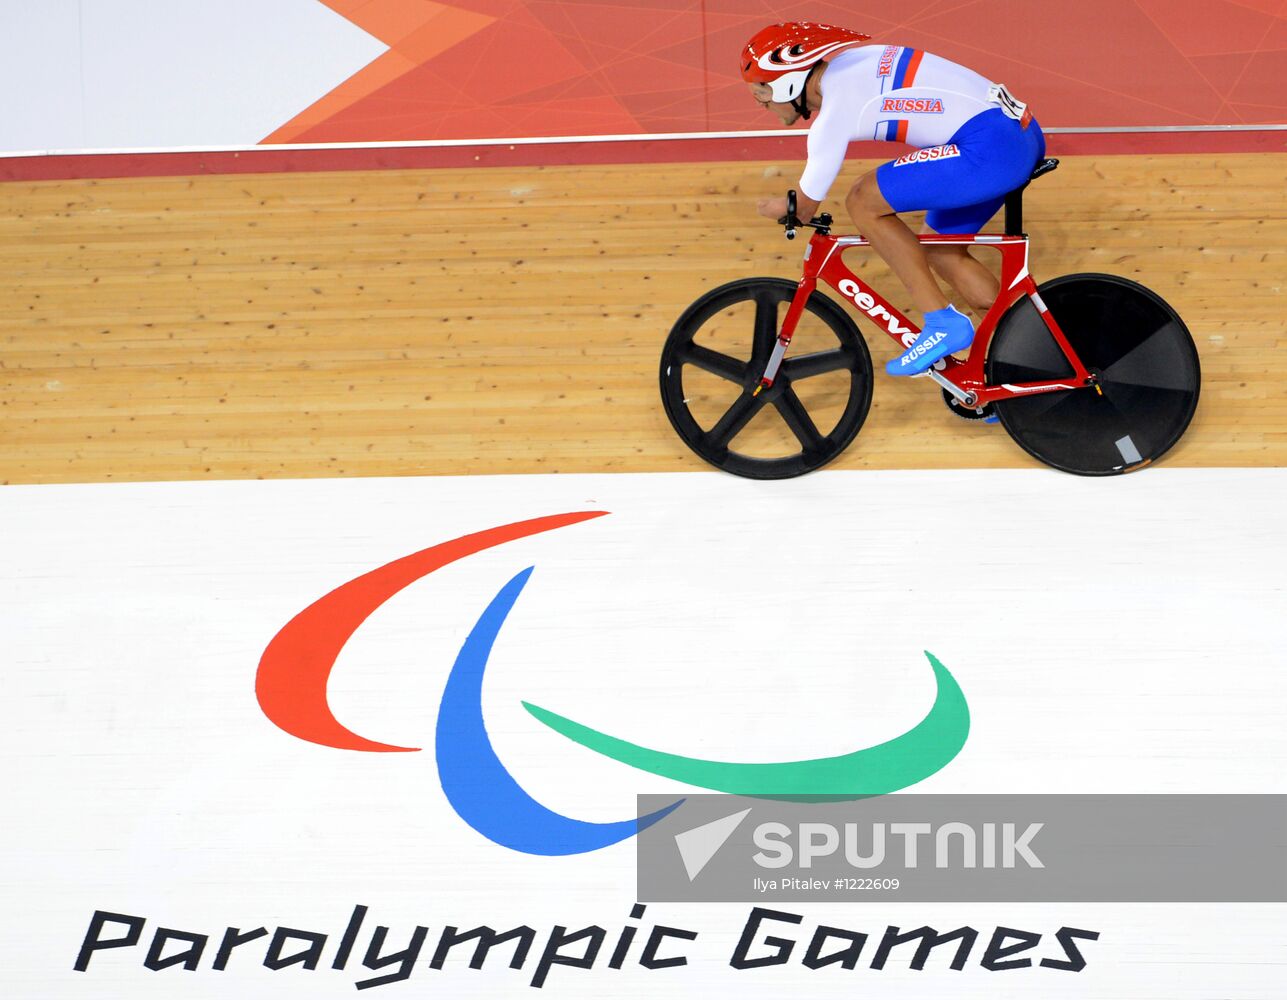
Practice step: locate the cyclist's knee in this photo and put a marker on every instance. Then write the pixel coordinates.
(865, 199)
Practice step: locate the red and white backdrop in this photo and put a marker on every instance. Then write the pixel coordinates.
(179, 73)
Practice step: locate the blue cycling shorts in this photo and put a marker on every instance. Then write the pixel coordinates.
(964, 181)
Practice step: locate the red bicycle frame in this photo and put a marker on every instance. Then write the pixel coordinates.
(823, 261)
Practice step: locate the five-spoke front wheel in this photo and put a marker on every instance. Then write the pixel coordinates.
(712, 363)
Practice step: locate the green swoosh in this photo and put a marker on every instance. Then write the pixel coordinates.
(878, 770)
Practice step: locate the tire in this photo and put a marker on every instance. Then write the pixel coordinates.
(740, 366)
(1139, 349)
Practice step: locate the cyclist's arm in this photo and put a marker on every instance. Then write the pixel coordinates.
(828, 142)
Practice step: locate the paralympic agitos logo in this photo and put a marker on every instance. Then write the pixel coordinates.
(291, 688)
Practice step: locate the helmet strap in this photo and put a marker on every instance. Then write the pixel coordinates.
(801, 103)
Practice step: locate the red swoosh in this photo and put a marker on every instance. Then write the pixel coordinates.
(293, 672)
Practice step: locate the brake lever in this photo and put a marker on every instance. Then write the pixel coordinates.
(789, 220)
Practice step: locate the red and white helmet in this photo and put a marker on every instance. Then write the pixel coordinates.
(782, 54)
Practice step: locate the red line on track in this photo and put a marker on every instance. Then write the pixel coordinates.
(697, 150)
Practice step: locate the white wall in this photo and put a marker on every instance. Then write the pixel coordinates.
(1114, 635)
(99, 74)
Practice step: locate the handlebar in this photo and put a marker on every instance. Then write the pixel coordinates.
(822, 223)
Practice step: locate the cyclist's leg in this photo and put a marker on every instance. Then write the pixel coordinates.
(977, 286)
(962, 183)
(894, 241)
(994, 167)
(946, 330)
(970, 277)
(887, 190)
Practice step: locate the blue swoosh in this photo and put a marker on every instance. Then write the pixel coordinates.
(476, 783)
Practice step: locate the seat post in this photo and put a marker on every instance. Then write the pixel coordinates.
(1014, 200)
(1014, 212)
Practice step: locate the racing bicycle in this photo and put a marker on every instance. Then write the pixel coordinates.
(1092, 374)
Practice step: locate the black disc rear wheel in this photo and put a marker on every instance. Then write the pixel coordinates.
(712, 362)
(1138, 349)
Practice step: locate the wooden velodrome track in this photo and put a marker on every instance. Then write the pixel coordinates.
(502, 320)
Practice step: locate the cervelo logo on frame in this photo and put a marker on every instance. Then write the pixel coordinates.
(291, 688)
(867, 303)
(928, 154)
(913, 105)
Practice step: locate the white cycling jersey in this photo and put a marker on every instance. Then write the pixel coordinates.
(893, 93)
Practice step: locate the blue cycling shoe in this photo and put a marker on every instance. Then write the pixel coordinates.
(946, 332)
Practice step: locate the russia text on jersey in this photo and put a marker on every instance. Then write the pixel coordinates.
(930, 153)
(913, 105)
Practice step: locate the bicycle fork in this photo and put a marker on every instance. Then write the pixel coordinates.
(789, 323)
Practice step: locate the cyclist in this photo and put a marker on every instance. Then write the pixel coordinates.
(975, 143)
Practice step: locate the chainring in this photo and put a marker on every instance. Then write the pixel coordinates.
(964, 412)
